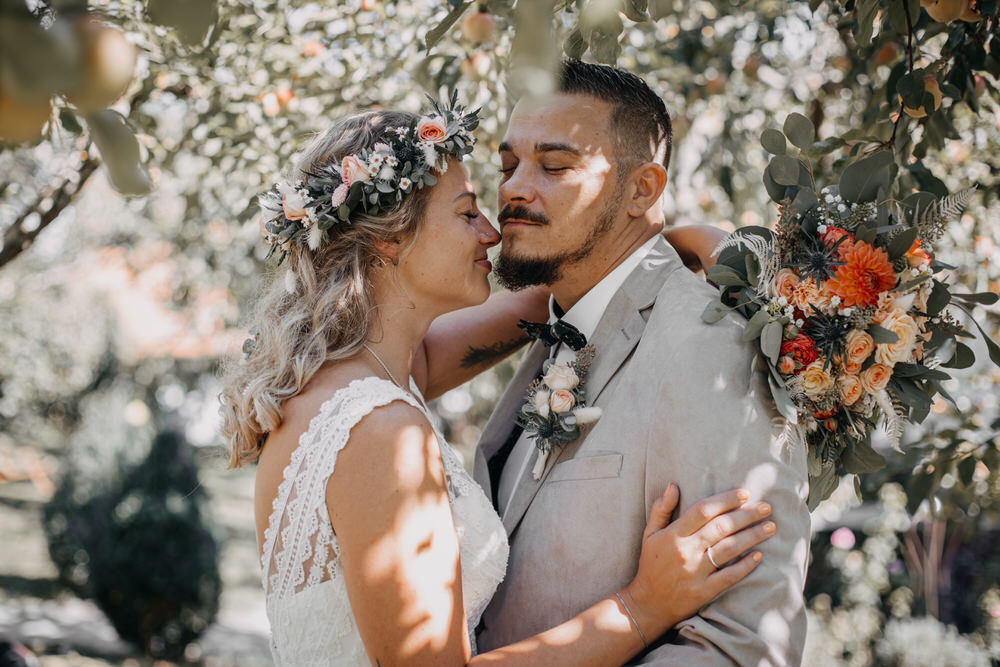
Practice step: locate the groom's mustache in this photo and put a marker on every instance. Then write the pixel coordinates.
(520, 212)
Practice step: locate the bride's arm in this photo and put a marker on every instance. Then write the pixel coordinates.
(389, 507)
(695, 244)
(463, 344)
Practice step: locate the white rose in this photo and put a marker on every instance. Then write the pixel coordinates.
(562, 401)
(541, 402)
(561, 377)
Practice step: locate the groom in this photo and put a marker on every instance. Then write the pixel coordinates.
(583, 174)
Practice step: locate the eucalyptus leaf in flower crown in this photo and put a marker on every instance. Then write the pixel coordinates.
(847, 304)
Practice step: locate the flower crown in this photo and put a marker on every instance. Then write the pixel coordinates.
(372, 180)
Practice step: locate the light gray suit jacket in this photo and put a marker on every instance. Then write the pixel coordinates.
(679, 404)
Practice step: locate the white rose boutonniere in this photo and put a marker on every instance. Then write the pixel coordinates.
(556, 407)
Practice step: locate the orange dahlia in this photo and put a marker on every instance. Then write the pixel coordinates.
(866, 273)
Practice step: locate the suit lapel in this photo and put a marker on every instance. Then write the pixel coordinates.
(616, 335)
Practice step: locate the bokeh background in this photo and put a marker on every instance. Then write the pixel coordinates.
(135, 136)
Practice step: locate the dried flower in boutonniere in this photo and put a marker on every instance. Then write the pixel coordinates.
(556, 406)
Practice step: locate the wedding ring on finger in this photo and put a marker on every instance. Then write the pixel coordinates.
(711, 560)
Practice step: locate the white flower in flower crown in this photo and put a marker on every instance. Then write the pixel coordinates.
(405, 183)
(382, 147)
(387, 173)
(339, 195)
(375, 162)
(392, 161)
(315, 236)
(430, 154)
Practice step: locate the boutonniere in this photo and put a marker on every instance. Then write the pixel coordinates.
(556, 406)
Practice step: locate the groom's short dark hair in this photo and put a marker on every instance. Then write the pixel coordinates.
(639, 118)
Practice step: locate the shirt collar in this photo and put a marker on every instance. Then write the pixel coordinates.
(587, 312)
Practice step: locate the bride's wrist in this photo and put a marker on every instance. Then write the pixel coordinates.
(647, 624)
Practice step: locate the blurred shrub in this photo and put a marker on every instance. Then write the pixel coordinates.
(142, 545)
(927, 642)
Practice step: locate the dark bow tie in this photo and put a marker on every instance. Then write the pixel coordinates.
(558, 332)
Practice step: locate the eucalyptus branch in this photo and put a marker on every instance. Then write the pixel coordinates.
(909, 67)
(16, 239)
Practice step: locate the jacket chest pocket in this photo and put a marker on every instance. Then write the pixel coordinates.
(600, 466)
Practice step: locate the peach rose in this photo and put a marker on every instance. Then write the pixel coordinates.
(850, 388)
(916, 256)
(815, 380)
(906, 328)
(560, 377)
(859, 346)
(875, 378)
(540, 401)
(292, 203)
(785, 282)
(352, 170)
(786, 365)
(562, 401)
(852, 368)
(432, 129)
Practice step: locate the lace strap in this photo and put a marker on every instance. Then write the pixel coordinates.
(303, 484)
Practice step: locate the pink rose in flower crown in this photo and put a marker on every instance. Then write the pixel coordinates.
(562, 401)
(432, 129)
(785, 282)
(292, 203)
(875, 378)
(353, 170)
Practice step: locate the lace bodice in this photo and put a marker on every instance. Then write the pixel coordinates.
(307, 603)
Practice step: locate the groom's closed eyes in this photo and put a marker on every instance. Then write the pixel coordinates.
(555, 156)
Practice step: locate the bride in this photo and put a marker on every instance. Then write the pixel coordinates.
(376, 545)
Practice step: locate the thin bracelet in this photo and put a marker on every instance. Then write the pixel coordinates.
(632, 618)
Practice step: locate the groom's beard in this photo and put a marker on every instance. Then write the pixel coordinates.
(517, 272)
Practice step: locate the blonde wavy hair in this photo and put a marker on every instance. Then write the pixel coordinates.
(329, 314)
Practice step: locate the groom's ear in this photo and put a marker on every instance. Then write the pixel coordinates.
(646, 184)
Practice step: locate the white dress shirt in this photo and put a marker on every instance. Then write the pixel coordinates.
(584, 315)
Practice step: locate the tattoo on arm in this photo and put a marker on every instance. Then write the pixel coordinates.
(487, 355)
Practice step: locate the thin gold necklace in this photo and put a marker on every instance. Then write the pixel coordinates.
(384, 367)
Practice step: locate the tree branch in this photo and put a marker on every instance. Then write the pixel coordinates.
(16, 239)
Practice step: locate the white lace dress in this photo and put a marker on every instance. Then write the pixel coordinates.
(307, 604)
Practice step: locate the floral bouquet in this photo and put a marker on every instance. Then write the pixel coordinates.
(847, 303)
(555, 407)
